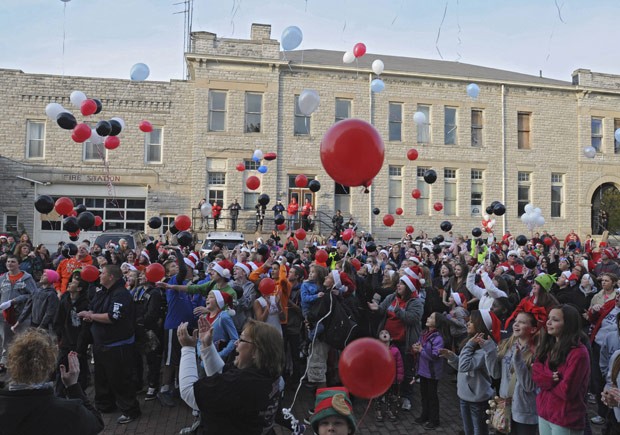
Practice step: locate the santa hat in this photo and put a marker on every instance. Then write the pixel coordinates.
(566, 274)
(145, 254)
(51, 275)
(253, 265)
(493, 324)
(384, 252)
(342, 282)
(227, 264)
(243, 267)
(459, 299)
(224, 301)
(412, 283)
(224, 273)
(609, 253)
(192, 260)
(415, 272)
(512, 252)
(129, 266)
(415, 259)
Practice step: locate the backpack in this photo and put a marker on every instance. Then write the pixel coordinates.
(339, 327)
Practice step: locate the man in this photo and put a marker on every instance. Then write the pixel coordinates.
(234, 214)
(607, 263)
(216, 211)
(260, 215)
(112, 317)
(68, 265)
(306, 211)
(338, 221)
(278, 209)
(292, 209)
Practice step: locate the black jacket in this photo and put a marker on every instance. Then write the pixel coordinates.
(118, 304)
(44, 308)
(72, 332)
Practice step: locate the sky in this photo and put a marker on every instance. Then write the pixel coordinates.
(104, 38)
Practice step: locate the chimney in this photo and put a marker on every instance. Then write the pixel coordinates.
(260, 32)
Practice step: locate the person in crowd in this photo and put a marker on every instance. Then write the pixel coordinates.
(218, 312)
(333, 412)
(611, 395)
(241, 398)
(260, 215)
(561, 370)
(28, 260)
(233, 209)
(457, 318)
(306, 212)
(246, 294)
(608, 283)
(338, 221)
(490, 291)
(112, 318)
(278, 208)
(291, 210)
(293, 329)
(68, 265)
(45, 302)
(29, 406)
(607, 263)
(42, 252)
(388, 405)
(25, 238)
(216, 212)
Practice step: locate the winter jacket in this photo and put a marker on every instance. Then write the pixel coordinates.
(245, 303)
(44, 307)
(411, 317)
(20, 293)
(597, 317)
(65, 270)
(400, 367)
(72, 332)
(430, 364)
(473, 381)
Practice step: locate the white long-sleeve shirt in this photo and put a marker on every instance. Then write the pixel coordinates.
(485, 295)
(188, 371)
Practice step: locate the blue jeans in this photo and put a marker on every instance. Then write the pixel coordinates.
(474, 417)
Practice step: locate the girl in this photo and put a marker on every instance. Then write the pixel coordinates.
(457, 318)
(388, 404)
(561, 370)
(430, 367)
(474, 387)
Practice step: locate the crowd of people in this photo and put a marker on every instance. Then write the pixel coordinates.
(530, 322)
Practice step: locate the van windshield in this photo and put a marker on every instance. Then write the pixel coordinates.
(103, 239)
(230, 244)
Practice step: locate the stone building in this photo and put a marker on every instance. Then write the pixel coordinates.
(520, 141)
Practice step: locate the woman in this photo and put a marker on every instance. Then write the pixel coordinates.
(608, 290)
(490, 291)
(25, 238)
(45, 257)
(333, 412)
(561, 370)
(239, 398)
(28, 261)
(29, 405)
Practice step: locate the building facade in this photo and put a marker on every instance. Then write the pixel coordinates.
(520, 141)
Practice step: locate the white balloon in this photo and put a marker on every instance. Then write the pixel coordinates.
(76, 98)
(52, 110)
(348, 57)
(540, 221)
(308, 101)
(525, 218)
(95, 138)
(258, 155)
(419, 118)
(529, 208)
(590, 152)
(486, 217)
(537, 211)
(378, 66)
(205, 209)
(120, 121)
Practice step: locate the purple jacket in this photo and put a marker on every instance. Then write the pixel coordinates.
(430, 365)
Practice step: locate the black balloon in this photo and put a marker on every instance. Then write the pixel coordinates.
(70, 224)
(476, 232)
(99, 105)
(430, 176)
(103, 128)
(371, 247)
(279, 219)
(530, 262)
(184, 238)
(499, 209)
(69, 250)
(86, 220)
(445, 226)
(74, 238)
(80, 208)
(494, 203)
(263, 199)
(437, 249)
(116, 127)
(155, 222)
(44, 204)
(436, 240)
(173, 229)
(376, 211)
(521, 240)
(489, 209)
(314, 185)
(66, 121)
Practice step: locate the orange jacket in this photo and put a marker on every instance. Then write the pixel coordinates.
(283, 287)
(66, 268)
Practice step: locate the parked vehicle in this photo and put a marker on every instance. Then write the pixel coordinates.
(136, 239)
(229, 239)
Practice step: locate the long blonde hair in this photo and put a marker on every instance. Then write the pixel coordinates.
(527, 353)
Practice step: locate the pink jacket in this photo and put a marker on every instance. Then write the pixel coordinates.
(400, 367)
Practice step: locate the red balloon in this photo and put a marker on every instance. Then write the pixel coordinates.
(270, 156)
(240, 167)
(301, 180)
(182, 222)
(412, 154)
(359, 49)
(63, 206)
(89, 273)
(73, 213)
(548, 241)
(388, 220)
(416, 193)
(88, 107)
(438, 206)
(352, 152)
(281, 227)
(145, 126)
(365, 359)
(112, 142)
(253, 182)
(300, 234)
(356, 264)
(98, 221)
(155, 272)
(266, 286)
(409, 229)
(321, 256)
(81, 133)
(348, 234)
(399, 211)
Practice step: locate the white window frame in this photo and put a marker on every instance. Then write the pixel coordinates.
(342, 199)
(217, 110)
(248, 113)
(216, 183)
(557, 181)
(395, 188)
(148, 144)
(596, 139)
(477, 186)
(524, 181)
(7, 217)
(450, 204)
(29, 138)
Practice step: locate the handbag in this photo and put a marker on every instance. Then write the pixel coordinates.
(500, 409)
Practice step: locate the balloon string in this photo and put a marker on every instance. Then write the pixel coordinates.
(361, 420)
(439, 31)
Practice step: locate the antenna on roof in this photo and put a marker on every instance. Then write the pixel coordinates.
(540, 73)
(188, 11)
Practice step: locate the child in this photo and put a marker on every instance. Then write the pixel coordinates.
(45, 302)
(474, 387)
(457, 317)
(389, 403)
(311, 290)
(430, 367)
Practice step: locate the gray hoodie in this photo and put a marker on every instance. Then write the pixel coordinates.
(473, 381)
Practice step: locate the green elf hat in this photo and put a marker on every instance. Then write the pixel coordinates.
(545, 280)
(332, 401)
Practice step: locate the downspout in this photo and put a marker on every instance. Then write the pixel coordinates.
(504, 154)
(372, 121)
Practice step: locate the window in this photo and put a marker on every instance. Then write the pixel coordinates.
(597, 133)
(395, 121)
(476, 127)
(450, 194)
(343, 109)
(153, 143)
(449, 126)
(166, 223)
(217, 110)
(616, 143)
(253, 112)
(424, 130)
(342, 198)
(94, 152)
(523, 131)
(395, 193)
(10, 223)
(35, 140)
(216, 183)
(251, 165)
(477, 185)
(557, 194)
(523, 195)
(302, 122)
(250, 199)
(423, 201)
(118, 213)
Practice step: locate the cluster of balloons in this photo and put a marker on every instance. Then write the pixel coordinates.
(74, 219)
(301, 181)
(488, 223)
(358, 51)
(291, 38)
(253, 182)
(496, 208)
(377, 84)
(532, 217)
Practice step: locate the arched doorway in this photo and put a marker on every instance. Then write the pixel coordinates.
(606, 209)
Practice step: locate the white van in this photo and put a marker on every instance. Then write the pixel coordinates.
(230, 239)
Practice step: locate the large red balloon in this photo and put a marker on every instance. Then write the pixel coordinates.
(88, 107)
(240, 167)
(111, 142)
(253, 182)
(145, 126)
(367, 368)
(155, 272)
(359, 49)
(301, 180)
(388, 220)
(348, 234)
(281, 227)
(182, 222)
(270, 156)
(416, 193)
(300, 234)
(352, 152)
(399, 211)
(266, 286)
(63, 206)
(409, 229)
(321, 256)
(81, 133)
(98, 221)
(412, 154)
(356, 264)
(89, 273)
(438, 206)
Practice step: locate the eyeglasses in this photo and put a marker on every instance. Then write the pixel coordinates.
(241, 340)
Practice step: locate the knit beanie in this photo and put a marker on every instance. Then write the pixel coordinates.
(332, 401)
(545, 280)
(52, 276)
